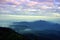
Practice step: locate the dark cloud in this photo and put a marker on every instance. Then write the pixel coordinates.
(57, 0)
(42, 0)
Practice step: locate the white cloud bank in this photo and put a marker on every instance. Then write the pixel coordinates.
(6, 20)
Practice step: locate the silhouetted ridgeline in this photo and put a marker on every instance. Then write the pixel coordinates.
(36, 25)
(9, 34)
(41, 30)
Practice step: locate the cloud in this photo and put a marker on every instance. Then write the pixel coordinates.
(57, 0)
(20, 18)
(27, 7)
(26, 18)
(31, 12)
(26, 2)
(5, 20)
(27, 29)
(43, 0)
(56, 14)
(29, 3)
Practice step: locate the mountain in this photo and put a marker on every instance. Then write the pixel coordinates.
(9, 34)
(43, 35)
(36, 25)
(40, 30)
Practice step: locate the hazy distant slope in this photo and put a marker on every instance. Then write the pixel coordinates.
(9, 34)
(37, 25)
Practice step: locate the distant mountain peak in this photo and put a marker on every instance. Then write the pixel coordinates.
(37, 25)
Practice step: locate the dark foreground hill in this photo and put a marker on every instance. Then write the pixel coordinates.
(9, 34)
(43, 35)
(41, 30)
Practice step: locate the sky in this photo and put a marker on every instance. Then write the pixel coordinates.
(30, 7)
(30, 3)
(29, 10)
(6, 20)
